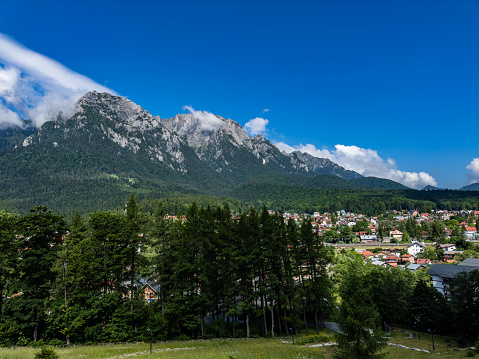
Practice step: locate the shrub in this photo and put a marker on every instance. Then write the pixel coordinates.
(182, 337)
(470, 353)
(476, 346)
(314, 338)
(56, 342)
(46, 353)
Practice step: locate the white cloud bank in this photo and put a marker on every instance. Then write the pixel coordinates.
(33, 86)
(207, 120)
(474, 168)
(366, 162)
(256, 126)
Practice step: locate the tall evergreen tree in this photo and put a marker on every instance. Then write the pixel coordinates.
(42, 233)
(361, 336)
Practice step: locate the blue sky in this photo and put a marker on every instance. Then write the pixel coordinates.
(387, 88)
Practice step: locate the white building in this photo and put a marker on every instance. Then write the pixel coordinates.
(414, 248)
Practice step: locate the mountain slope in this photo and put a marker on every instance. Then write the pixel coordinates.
(111, 147)
(319, 166)
(226, 147)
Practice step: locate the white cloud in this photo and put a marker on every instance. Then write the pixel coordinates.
(207, 120)
(36, 87)
(474, 167)
(366, 162)
(265, 110)
(256, 126)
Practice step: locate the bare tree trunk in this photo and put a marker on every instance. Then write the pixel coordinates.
(279, 323)
(304, 317)
(272, 320)
(65, 267)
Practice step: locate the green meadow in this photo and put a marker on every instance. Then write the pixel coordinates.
(279, 348)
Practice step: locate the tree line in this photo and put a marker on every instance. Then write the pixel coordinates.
(215, 275)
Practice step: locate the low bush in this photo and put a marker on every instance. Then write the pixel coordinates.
(46, 353)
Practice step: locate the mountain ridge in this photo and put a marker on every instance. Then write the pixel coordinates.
(118, 147)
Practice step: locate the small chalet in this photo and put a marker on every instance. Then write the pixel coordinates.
(414, 248)
(414, 267)
(397, 235)
(392, 260)
(423, 261)
(447, 247)
(407, 258)
(366, 254)
(368, 238)
(396, 252)
(449, 256)
(471, 233)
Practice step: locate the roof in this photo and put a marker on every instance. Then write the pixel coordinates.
(470, 262)
(366, 253)
(392, 258)
(413, 266)
(416, 243)
(471, 229)
(449, 270)
(423, 261)
(446, 245)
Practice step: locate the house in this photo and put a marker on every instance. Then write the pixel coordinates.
(397, 235)
(449, 256)
(443, 274)
(396, 252)
(365, 238)
(150, 292)
(415, 247)
(366, 254)
(407, 258)
(473, 262)
(423, 261)
(414, 267)
(470, 233)
(447, 247)
(392, 260)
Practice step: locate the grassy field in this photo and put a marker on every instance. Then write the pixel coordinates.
(241, 349)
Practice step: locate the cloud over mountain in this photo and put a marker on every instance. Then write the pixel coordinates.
(207, 120)
(366, 162)
(33, 86)
(256, 126)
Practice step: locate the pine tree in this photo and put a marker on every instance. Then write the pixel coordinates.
(360, 334)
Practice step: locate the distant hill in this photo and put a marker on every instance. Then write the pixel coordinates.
(471, 187)
(375, 182)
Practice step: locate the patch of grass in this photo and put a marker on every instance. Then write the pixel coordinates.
(208, 349)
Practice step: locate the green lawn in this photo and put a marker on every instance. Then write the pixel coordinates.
(239, 349)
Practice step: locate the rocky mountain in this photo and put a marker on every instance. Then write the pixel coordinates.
(320, 166)
(226, 147)
(111, 147)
